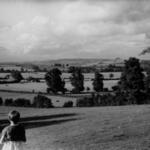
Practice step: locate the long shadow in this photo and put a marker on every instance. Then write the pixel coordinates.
(47, 117)
(2, 113)
(40, 117)
(30, 125)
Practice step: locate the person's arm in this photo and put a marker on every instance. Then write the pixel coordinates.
(2, 137)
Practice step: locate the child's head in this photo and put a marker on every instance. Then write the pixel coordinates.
(14, 116)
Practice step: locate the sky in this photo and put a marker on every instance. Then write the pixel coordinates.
(54, 29)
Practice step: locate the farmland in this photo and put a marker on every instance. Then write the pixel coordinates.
(41, 87)
(34, 87)
(64, 75)
(106, 128)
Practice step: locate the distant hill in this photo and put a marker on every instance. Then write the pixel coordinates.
(68, 62)
(73, 62)
(80, 62)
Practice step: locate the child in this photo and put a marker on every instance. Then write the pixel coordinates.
(13, 136)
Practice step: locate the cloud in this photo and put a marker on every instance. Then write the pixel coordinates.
(74, 28)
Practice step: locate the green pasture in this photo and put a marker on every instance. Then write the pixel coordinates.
(99, 128)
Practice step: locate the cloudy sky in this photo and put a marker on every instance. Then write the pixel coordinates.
(53, 29)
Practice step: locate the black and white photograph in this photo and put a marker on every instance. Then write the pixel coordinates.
(74, 74)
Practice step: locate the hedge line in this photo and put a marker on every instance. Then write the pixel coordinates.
(39, 101)
(116, 99)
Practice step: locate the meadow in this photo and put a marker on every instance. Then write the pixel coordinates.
(58, 101)
(42, 86)
(97, 128)
(64, 75)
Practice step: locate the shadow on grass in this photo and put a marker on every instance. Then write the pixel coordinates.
(3, 113)
(30, 125)
(37, 121)
(34, 118)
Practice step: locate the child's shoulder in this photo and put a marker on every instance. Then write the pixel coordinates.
(6, 129)
(10, 127)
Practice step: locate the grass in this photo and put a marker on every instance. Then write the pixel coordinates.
(106, 128)
(64, 75)
(41, 86)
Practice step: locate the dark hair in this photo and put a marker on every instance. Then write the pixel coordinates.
(14, 116)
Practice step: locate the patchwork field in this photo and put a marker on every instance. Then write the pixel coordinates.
(64, 75)
(103, 128)
(41, 86)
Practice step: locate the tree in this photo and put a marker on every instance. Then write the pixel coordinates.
(71, 69)
(54, 81)
(98, 82)
(36, 68)
(87, 89)
(2, 70)
(1, 101)
(111, 75)
(132, 80)
(22, 69)
(41, 101)
(147, 81)
(16, 75)
(147, 85)
(132, 76)
(77, 80)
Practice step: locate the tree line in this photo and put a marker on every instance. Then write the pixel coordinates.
(132, 88)
(56, 84)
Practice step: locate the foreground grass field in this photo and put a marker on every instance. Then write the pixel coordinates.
(101, 128)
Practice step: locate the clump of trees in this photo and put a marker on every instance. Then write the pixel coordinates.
(68, 104)
(19, 102)
(111, 75)
(98, 82)
(1, 101)
(16, 75)
(85, 102)
(77, 80)
(41, 101)
(22, 102)
(131, 83)
(54, 81)
(147, 81)
(133, 88)
(8, 102)
(36, 68)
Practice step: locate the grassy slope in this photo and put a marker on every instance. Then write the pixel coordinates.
(106, 128)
